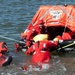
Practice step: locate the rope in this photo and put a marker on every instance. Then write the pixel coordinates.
(68, 14)
(43, 15)
(46, 12)
(8, 38)
(66, 46)
(66, 25)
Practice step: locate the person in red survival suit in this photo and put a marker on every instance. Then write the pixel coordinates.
(37, 29)
(30, 27)
(3, 48)
(65, 36)
(30, 36)
(41, 51)
(25, 33)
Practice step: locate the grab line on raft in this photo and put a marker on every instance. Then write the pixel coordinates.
(66, 46)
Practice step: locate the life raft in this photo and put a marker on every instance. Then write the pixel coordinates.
(57, 19)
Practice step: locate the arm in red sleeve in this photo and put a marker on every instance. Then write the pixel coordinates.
(52, 44)
(30, 50)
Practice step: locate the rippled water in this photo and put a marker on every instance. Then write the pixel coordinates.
(15, 15)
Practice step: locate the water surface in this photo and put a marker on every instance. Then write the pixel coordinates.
(15, 15)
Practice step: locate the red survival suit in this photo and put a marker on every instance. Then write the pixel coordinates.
(31, 26)
(65, 36)
(41, 51)
(3, 48)
(5, 59)
(33, 32)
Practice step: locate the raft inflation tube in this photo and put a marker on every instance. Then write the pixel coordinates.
(67, 45)
(21, 45)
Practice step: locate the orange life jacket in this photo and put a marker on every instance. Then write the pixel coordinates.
(3, 47)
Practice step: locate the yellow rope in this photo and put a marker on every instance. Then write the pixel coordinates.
(66, 46)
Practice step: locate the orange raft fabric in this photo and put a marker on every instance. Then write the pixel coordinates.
(55, 15)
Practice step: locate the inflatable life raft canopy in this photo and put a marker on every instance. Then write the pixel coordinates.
(55, 15)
